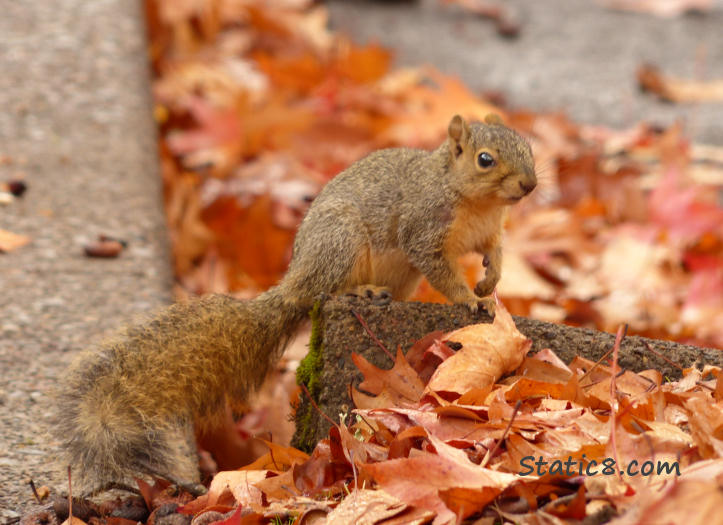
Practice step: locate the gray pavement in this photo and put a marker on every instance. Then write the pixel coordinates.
(571, 55)
(75, 122)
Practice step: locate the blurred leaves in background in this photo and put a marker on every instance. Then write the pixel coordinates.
(259, 104)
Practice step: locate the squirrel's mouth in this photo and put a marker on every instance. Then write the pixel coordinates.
(514, 198)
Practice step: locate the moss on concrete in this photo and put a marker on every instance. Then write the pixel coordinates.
(310, 367)
(307, 374)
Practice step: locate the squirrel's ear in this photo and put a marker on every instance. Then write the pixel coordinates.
(493, 119)
(457, 128)
(458, 131)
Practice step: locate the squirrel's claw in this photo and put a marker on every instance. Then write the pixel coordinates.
(378, 295)
(489, 305)
(486, 304)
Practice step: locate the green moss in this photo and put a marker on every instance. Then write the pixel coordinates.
(308, 374)
(310, 367)
(304, 438)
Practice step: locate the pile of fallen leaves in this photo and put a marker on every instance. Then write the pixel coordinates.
(259, 104)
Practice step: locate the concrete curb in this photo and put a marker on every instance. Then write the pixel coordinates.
(76, 126)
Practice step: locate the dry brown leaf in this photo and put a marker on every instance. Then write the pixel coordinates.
(382, 400)
(401, 383)
(241, 485)
(279, 487)
(443, 428)
(10, 241)
(106, 249)
(684, 501)
(664, 8)
(366, 507)
(279, 458)
(488, 352)
(73, 521)
(411, 516)
(418, 480)
(706, 426)
(519, 279)
(673, 89)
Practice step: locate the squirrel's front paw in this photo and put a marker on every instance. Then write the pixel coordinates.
(378, 295)
(486, 304)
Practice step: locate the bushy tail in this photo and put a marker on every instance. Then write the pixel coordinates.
(128, 408)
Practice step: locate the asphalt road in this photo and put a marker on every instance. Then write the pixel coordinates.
(571, 55)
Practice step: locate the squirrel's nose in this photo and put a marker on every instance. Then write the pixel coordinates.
(527, 187)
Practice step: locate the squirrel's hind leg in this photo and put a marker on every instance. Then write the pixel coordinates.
(179, 465)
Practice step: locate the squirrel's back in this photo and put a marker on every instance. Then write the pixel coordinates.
(381, 174)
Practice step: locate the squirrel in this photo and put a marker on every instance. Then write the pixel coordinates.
(396, 215)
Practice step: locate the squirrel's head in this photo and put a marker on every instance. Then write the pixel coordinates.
(490, 160)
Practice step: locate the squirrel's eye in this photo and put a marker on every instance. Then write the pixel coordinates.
(485, 160)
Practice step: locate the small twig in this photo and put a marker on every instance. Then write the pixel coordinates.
(646, 437)
(701, 384)
(593, 367)
(313, 403)
(358, 415)
(569, 497)
(273, 459)
(70, 498)
(371, 334)
(652, 385)
(367, 423)
(35, 491)
(353, 469)
(661, 356)
(288, 489)
(488, 457)
(590, 385)
(613, 394)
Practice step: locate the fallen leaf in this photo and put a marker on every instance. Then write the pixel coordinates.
(488, 352)
(418, 480)
(11, 241)
(73, 521)
(241, 485)
(107, 249)
(664, 8)
(401, 382)
(366, 507)
(673, 89)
